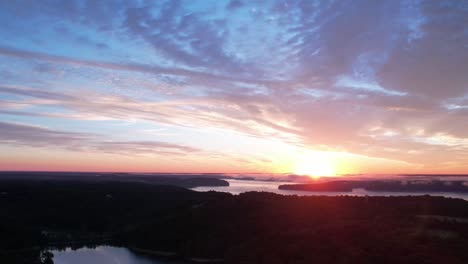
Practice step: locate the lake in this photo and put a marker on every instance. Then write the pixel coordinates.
(240, 186)
(104, 255)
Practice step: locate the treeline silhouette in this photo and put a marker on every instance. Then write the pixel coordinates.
(249, 228)
(181, 180)
(455, 186)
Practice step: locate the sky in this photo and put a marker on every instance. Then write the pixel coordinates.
(304, 87)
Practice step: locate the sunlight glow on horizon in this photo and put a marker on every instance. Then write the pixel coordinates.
(315, 166)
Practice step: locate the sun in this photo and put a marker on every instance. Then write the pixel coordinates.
(315, 166)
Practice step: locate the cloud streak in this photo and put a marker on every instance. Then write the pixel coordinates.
(34, 136)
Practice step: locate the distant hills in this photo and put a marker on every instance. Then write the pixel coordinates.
(181, 180)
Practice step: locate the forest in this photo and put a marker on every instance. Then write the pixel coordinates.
(39, 215)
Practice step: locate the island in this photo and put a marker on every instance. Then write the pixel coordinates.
(414, 186)
(181, 180)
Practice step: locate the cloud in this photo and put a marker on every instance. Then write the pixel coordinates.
(35, 136)
(216, 110)
(109, 65)
(184, 37)
(434, 64)
(35, 93)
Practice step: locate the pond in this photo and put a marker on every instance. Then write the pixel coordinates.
(105, 255)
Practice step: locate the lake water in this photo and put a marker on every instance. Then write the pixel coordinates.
(104, 255)
(240, 186)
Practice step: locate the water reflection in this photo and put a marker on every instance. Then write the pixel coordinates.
(103, 255)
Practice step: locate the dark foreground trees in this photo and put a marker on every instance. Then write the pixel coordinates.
(246, 228)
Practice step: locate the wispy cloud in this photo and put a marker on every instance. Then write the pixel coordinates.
(34, 136)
